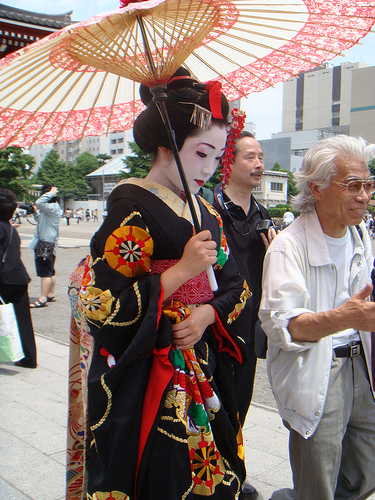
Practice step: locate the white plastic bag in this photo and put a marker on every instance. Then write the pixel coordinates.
(10, 343)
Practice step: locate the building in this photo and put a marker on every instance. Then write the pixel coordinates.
(273, 189)
(19, 27)
(277, 150)
(104, 179)
(320, 99)
(362, 108)
(320, 103)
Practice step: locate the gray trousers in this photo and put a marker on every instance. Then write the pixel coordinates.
(338, 461)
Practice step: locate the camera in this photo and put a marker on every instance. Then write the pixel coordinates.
(28, 207)
(264, 225)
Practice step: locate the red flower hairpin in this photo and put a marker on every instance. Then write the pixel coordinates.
(236, 126)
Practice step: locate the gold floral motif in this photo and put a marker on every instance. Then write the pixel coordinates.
(110, 495)
(240, 305)
(96, 303)
(207, 465)
(128, 250)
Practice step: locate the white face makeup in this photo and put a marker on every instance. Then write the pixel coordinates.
(199, 155)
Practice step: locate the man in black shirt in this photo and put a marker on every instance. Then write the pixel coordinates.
(241, 214)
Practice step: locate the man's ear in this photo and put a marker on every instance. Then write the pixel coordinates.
(316, 190)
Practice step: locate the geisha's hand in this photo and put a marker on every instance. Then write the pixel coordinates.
(189, 331)
(199, 253)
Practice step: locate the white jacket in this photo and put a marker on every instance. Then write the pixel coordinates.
(300, 277)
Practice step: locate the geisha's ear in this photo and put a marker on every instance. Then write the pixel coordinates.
(164, 154)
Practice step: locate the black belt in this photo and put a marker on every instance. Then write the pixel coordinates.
(349, 351)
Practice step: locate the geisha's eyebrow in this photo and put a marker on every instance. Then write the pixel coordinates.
(210, 145)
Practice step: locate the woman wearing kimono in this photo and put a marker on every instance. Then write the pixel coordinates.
(161, 406)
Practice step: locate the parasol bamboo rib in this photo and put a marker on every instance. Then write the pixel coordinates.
(302, 44)
(60, 102)
(93, 106)
(34, 112)
(112, 105)
(77, 102)
(269, 47)
(36, 96)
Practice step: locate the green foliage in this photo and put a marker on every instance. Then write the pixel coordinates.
(292, 186)
(371, 166)
(280, 209)
(103, 158)
(68, 179)
(16, 170)
(85, 164)
(138, 165)
(214, 180)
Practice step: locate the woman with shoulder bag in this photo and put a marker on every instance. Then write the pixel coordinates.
(14, 278)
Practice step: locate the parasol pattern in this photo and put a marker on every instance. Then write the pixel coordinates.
(83, 80)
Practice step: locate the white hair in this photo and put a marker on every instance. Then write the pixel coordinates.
(319, 166)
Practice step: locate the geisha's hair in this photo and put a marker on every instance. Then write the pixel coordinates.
(184, 95)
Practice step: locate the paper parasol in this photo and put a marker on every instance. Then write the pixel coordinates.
(83, 80)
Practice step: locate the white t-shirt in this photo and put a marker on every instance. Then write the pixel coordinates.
(341, 252)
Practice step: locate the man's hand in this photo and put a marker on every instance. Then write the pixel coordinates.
(271, 234)
(54, 190)
(357, 313)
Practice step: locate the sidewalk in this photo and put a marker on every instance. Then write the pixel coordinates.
(33, 415)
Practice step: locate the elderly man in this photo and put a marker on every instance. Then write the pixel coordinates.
(316, 312)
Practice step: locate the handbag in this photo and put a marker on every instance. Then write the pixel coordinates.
(44, 250)
(260, 341)
(10, 343)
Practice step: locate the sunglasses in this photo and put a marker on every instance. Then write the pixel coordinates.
(355, 187)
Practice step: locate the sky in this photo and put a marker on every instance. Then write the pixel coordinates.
(263, 108)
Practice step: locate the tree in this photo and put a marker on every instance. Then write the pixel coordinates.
(371, 166)
(103, 158)
(85, 164)
(16, 170)
(138, 165)
(68, 179)
(292, 186)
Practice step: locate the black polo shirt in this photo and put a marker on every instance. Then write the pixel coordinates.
(248, 250)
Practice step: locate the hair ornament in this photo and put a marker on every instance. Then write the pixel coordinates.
(201, 117)
(236, 126)
(214, 95)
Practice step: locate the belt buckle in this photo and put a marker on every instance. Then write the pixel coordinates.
(355, 350)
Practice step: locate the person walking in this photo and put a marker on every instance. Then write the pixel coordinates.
(241, 214)
(14, 279)
(47, 217)
(316, 312)
(164, 345)
(288, 217)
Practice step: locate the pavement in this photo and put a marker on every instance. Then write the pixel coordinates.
(33, 418)
(33, 414)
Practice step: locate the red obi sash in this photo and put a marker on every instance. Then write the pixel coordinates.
(194, 291)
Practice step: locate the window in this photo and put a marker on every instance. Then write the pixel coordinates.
(113, 141)
(113, 151)
(120, 139)
(120, 151)
(276, 186)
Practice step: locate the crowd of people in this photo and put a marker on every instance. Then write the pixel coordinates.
(164, 362)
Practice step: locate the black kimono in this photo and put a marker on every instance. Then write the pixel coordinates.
(163, 420)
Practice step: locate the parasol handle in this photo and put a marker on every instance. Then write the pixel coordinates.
(159, 96)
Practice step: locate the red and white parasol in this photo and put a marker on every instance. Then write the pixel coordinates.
(83, 80)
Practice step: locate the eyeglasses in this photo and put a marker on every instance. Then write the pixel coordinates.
(355, 187)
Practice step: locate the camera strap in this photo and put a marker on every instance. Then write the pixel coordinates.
(219, 198)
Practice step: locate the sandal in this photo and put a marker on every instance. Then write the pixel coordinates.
(51, 299)
(38, 304)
